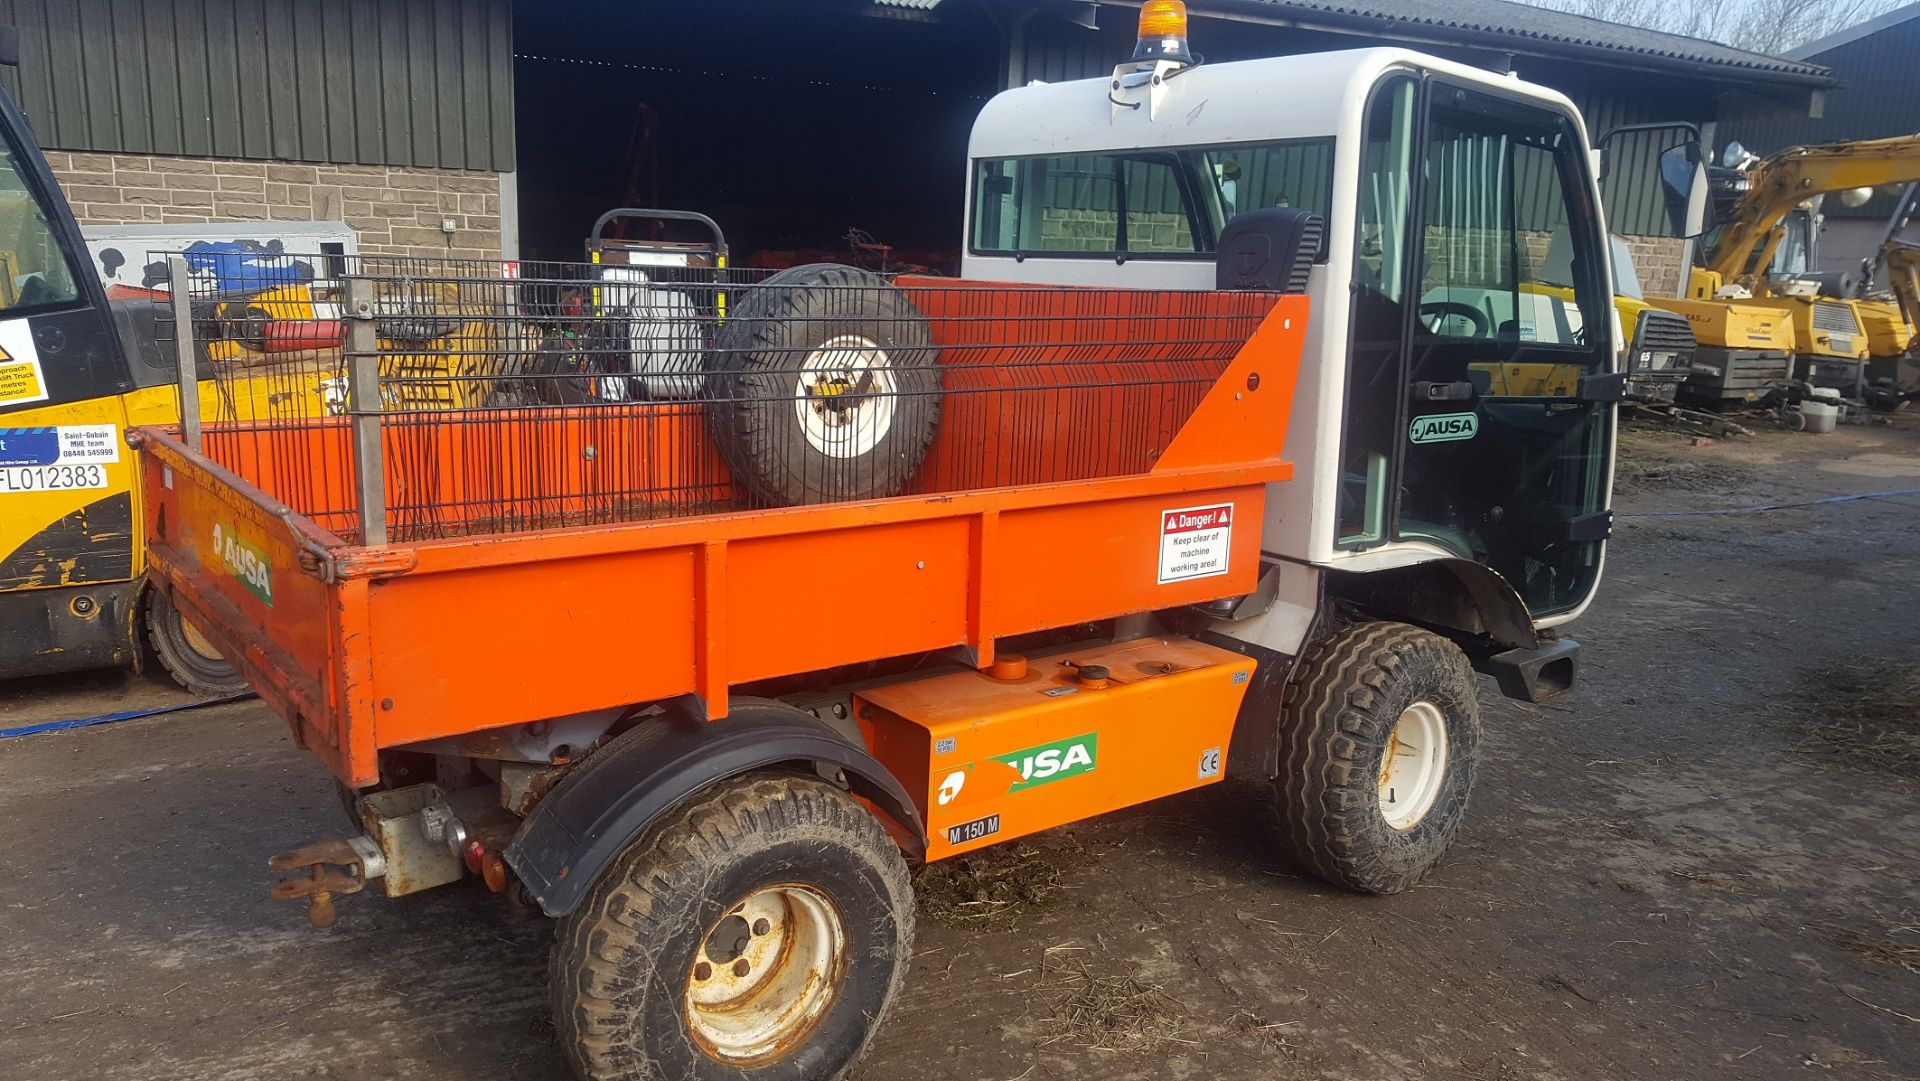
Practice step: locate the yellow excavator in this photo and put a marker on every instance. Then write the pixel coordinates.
(1891, 318)
(1743, 269)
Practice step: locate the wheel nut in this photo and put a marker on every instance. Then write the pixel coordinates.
(741, 968)
(761, 926)
(702, 971)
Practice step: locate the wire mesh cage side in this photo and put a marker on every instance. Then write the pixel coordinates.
(570, 394)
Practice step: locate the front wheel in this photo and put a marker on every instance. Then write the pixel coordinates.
(1377, 745)
(762, 931)
(186, 654)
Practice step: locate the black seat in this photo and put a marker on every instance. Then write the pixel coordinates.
(1271, 249)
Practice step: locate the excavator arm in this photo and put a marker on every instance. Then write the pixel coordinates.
(1902, 261)
(1777, 184)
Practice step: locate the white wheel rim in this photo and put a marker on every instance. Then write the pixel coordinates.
(1415, 765)
(766, 974)
(845, 399)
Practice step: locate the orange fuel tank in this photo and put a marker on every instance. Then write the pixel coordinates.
(1076, 733)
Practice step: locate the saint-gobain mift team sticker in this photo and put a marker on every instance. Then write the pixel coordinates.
(55, 458)
(1195, 542)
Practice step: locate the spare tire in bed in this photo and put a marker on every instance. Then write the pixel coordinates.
(824, 387)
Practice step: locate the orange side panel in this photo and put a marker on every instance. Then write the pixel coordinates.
(800, 603)
(234, 568)
(468, 650)
(1104, 560)
(988, 760)
(1245, 417)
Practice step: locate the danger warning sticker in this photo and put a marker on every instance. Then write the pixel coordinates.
(21, 380)
(1195, 542)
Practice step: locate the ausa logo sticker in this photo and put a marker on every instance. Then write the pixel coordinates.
(244, 561)
(1442, 427)
(1051, 762)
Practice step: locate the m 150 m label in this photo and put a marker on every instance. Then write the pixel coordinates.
(974, 830)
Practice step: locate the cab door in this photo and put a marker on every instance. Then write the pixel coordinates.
(1478, 419)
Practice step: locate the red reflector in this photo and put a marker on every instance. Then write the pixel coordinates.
(474, 855)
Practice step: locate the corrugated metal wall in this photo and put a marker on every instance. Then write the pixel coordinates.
(375, 82)
(1631, 189)
(1875, 98)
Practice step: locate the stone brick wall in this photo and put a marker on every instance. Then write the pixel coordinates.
(1074, 229)
(1659, 261)
(1656, 258)
(396, 210)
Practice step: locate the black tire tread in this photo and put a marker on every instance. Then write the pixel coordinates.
(737, 384)
(603, 943)
(182, 661)
(1324, 801)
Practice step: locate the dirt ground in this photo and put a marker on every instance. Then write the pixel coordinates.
(1703, 864)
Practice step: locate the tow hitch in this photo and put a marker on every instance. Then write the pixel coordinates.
(331, 866)
(416, 838)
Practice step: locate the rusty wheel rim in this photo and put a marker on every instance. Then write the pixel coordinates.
(197, 641)
(766, 974)
(1414, 768)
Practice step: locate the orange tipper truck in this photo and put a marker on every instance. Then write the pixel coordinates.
(1198, 472)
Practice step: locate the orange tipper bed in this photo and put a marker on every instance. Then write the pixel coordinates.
(455, 627)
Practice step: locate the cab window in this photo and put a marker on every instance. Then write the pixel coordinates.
(34, 273)
(1166, 203)
(1498, 260)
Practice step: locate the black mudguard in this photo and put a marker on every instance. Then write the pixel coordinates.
(609, 800)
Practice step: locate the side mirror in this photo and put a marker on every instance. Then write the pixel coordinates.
(1683, 183)
(1682, 168)
(10, 46)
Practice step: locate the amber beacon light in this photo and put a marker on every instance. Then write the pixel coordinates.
(1163, 32)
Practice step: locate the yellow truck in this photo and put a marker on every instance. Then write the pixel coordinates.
(79, 366)
(71, 554)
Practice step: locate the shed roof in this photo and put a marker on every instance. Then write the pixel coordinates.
(1504, 24)
(1813, 50)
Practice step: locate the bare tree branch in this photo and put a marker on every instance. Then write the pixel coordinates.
(1762, 26)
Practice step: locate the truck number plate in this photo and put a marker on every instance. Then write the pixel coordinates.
(51, 478)
(974, 830)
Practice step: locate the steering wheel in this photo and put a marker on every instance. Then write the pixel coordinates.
(1441, 309)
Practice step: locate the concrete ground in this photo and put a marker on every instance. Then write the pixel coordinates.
(1702, 865)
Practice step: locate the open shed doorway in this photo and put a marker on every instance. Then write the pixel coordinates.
(790, 124)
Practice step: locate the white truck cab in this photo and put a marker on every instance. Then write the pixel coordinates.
(1453, 422)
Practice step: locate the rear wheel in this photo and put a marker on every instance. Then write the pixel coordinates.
(186, 654)
(762, 931)
(1377, 751)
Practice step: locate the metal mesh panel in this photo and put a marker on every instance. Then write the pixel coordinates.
(459, 398)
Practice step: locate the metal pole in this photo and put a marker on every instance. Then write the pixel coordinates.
(185, 356)
(363, 404)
